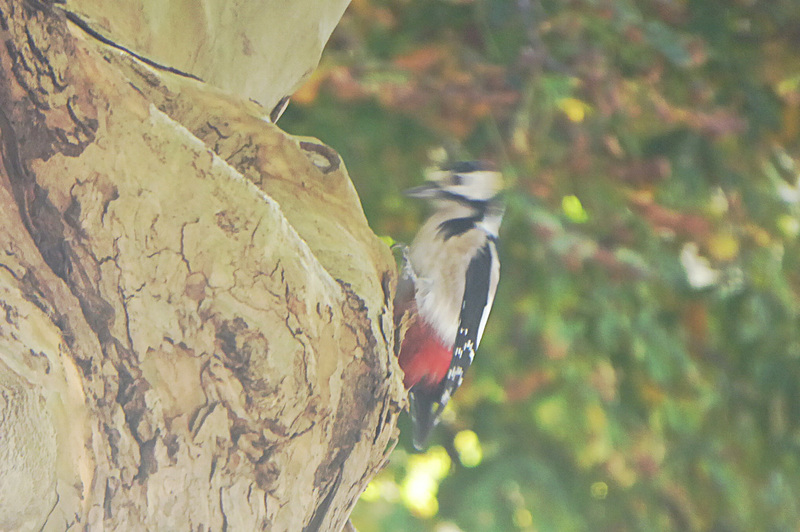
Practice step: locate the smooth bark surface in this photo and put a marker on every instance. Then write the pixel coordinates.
(255, 49)
(195, 322)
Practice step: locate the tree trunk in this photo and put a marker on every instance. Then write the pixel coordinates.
(195, 321)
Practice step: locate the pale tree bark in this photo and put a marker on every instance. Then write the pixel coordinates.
(195, 321)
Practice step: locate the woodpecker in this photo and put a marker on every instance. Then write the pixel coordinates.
(447, 287)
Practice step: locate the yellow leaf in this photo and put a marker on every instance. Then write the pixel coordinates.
(575, 109)
(421, 484)
(596, 418)
(572, 207)
(789, 225)
(469, 448)
(523, 518)
(723, 247)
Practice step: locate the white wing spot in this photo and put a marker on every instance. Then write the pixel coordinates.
(445, 397)
(456, 372)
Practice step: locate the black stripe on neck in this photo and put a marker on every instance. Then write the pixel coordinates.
(478, 205)
(464, 167)
(458, 226)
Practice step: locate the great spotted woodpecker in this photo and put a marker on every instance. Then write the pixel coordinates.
(447, 287)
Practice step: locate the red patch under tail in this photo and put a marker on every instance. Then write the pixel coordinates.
(423, 357)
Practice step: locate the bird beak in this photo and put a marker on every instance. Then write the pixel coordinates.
(428, 190)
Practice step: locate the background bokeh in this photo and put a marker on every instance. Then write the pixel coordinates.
(641, 368)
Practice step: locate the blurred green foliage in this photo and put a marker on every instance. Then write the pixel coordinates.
(641, 368)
